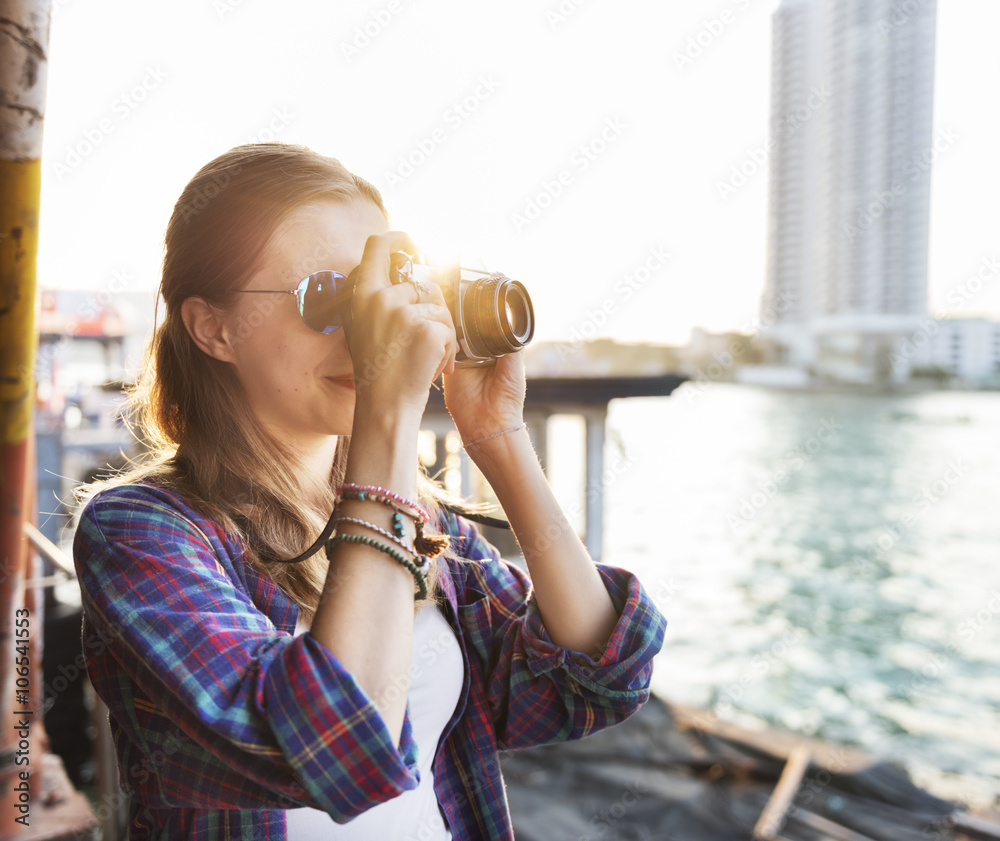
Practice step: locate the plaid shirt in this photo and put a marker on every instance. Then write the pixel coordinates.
(222, 718)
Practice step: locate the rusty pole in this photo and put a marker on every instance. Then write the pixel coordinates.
(24, 36)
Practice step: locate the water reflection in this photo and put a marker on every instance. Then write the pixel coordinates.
(823, 559)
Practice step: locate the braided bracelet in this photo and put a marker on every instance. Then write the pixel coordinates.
(494, 435)
(421, 562)
(429, 545)
(364, 540)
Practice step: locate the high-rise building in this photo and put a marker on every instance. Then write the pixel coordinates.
(851, 132)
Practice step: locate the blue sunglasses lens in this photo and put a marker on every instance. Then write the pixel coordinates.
(322, 297)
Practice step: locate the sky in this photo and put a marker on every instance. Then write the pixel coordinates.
(563, 142)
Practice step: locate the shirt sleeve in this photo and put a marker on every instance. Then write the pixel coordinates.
(260, 719)
(537, 691)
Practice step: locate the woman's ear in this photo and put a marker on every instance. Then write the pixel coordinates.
(207, 329)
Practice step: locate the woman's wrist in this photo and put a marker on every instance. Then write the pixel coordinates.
(509, 454)
(384, 451)
(386, 417)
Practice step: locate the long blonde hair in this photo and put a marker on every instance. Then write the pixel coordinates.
(189, 409)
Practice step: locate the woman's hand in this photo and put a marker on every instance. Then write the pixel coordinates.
(575, 606)
(402, 337)
(486, 399)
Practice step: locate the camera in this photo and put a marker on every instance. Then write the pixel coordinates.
(493, 314)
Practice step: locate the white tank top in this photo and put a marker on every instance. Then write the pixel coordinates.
(436, 674)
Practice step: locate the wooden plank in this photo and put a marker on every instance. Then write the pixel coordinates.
(832, 757)
(49, 550)
(975, 827)
(58, 812)
(773, 816)
(834, 830)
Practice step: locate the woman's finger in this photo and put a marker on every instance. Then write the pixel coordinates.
(439, 313)
(373, 272)
(432, 312)
(431, 293)
(409, 294)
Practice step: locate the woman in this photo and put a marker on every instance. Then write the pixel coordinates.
(254, 698)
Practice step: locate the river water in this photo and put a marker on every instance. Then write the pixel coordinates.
(828, 564)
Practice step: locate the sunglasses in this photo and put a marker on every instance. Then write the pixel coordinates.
(321, 298)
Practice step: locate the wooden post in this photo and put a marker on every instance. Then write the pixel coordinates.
(594, 488)
(538, 429)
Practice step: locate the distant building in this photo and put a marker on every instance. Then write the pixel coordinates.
(718, 356)
(967, 348)
(851, 151)
(601, 357)
(87, 338)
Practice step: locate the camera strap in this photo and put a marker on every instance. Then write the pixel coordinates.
(482, 519)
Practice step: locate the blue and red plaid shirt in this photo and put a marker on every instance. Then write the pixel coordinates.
(222, 718)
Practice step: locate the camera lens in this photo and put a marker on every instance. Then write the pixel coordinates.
(498, 316)
(517, 307)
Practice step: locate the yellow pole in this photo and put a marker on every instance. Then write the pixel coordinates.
(24, 36)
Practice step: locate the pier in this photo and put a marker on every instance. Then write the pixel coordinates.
(587, 397)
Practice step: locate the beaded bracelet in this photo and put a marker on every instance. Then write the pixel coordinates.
(364, 540)
(429, 545)
(402, 504)
(421, 562)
